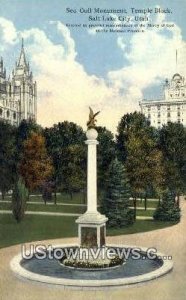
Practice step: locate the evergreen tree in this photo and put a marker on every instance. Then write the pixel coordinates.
(19, 198)
(167, 209)
(116, 201)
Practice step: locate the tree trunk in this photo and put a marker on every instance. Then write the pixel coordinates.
(84, 196)
(134, 201)
(178, 200)
(145, 202)
(55, 195)
(3, 195)
(71, 195)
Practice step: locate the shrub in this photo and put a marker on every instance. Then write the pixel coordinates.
(19, 198)
(168, 209)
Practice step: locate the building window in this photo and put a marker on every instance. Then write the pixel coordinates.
(159, 115)
(178, 114)
(8, 114)
(168, 107)
(168, 115)
(14, 115)
(1, 112)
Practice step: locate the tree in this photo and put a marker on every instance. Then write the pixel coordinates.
(130, 122)
(23, 132)
(167, 209)
(141, 154)
(7, 157)
(74, 175)
(116, 201)
(145, 170)
(35, 166)
(159, 182)
(172, 142)
(19, 198)
(65, 145)
(106, 153)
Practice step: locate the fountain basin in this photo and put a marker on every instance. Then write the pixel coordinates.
(51, 272)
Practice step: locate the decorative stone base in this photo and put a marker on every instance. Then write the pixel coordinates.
(92, 230)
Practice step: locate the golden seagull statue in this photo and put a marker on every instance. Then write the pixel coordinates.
(92, 121)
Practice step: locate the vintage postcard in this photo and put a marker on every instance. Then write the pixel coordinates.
(92, 149)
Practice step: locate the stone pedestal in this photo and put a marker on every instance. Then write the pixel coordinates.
(91, 230)
(92, 225)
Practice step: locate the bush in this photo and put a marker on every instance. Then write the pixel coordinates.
(168, 209)
(19, 198)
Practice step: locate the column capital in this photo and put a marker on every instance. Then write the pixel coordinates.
(91, 142)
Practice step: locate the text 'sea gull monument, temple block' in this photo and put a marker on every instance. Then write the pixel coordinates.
(92, 225)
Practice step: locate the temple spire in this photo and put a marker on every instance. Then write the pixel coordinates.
(22, 59)
(176, 59)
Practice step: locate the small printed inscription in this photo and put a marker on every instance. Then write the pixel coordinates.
(121, 20)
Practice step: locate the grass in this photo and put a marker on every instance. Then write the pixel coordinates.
(140, 226)
(47, 208)
(64, 209)
(145, 213)
(35, 228)
(78, 198)
(150, 204)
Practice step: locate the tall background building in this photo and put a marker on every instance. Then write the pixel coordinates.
(18, 93)
(171, 108)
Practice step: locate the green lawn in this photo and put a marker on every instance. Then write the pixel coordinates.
(145, 213)
(77, 198)
(150, 204)
(47, 208)
(34, 228)
(63, 208)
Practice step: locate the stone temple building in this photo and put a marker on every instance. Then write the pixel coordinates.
(18, 93)
(172, 106)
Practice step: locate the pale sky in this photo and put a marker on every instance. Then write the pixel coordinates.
(78, 68)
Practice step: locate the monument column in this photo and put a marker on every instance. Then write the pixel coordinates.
(91, 225)
(92, 170)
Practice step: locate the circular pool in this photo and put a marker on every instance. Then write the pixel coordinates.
(134, 270)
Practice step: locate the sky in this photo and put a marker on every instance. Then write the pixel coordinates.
(76, 67)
